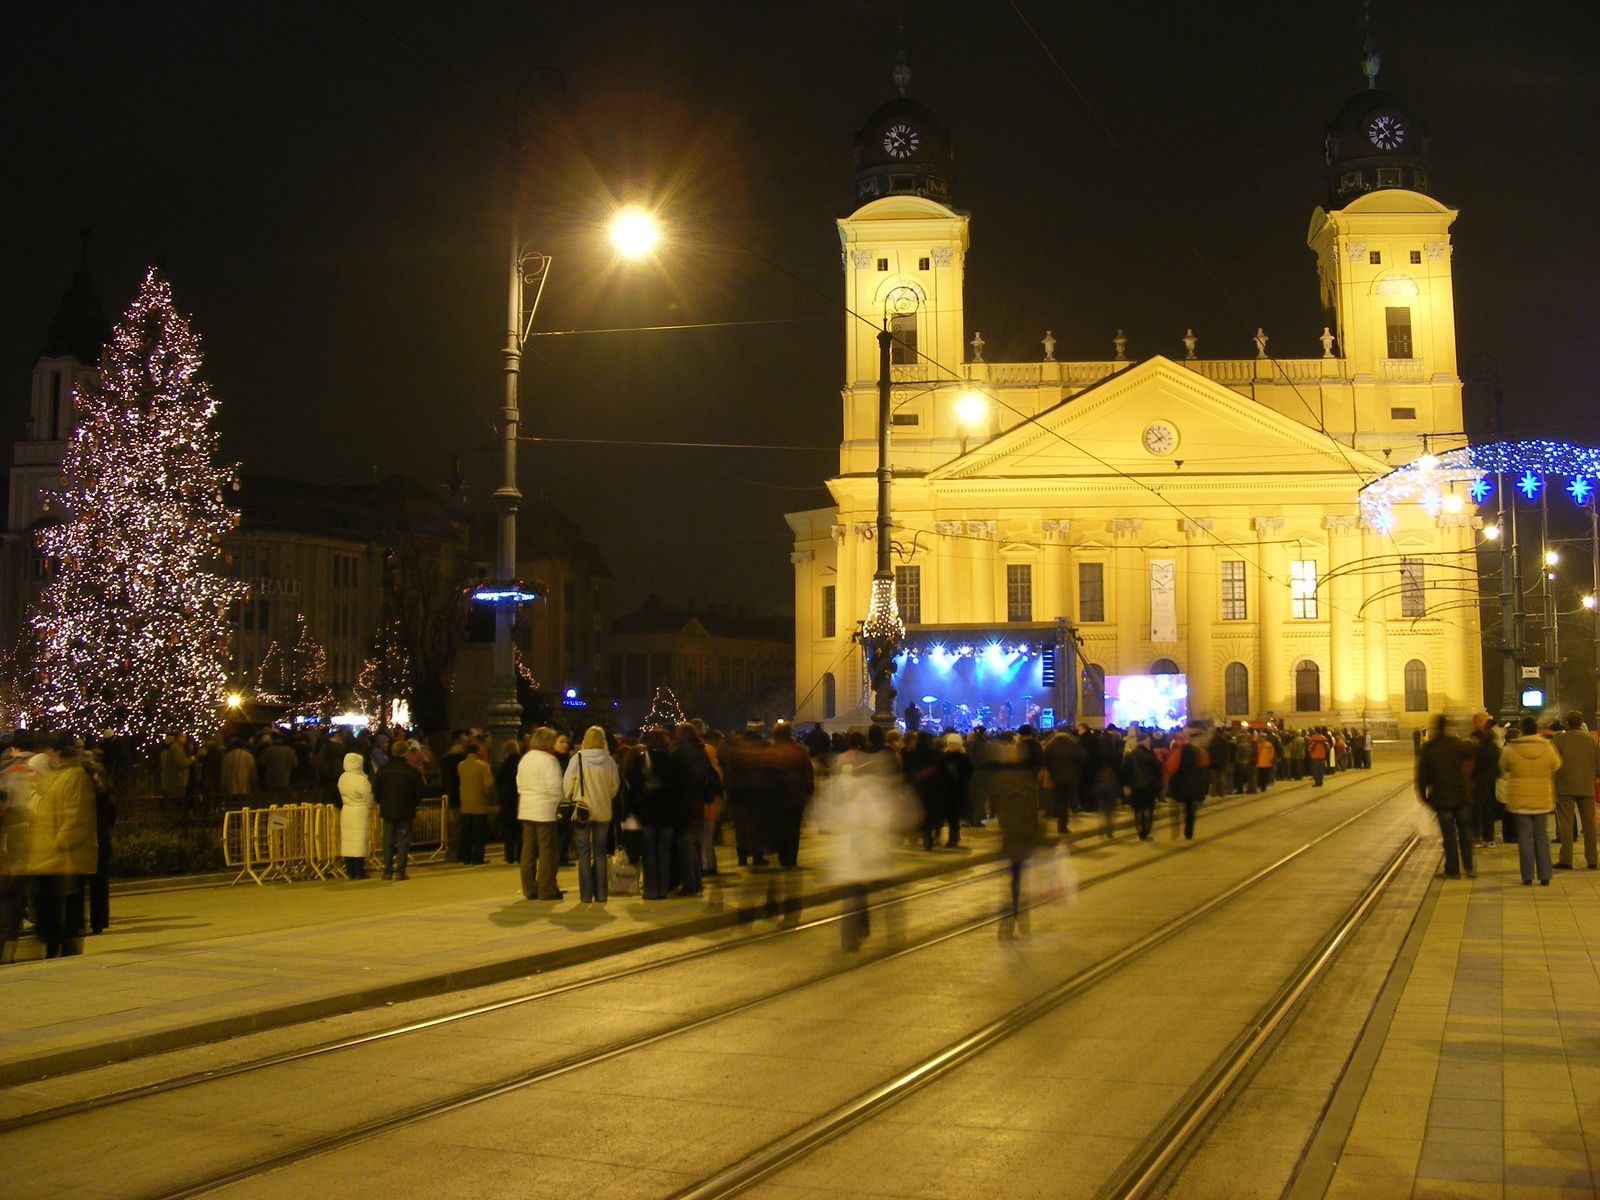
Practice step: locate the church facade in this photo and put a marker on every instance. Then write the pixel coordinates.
(1057, 524)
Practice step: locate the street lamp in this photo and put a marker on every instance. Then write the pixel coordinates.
(634, 232)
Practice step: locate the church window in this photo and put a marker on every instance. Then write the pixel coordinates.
(1165, 666)
(1416, 686)
(829, 611)
(1416, 257)
(1019, 592)
(1094, 691)
(922, 264)
(1091, 591)
(1236, 688)
(903, 343)
(1233, 605)
(1303, 589)
(1388, 176)
(1307, 687)
(1375, 257)
(883, 264)
(908, 594)
(1350, 181)
(1413, 602)
(829, 696)
(53, 416)
(1398, 321)
(1402, 414)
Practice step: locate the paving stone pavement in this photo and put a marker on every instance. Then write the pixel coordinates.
(1488, 1083)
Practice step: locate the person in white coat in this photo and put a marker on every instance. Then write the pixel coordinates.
(592, 780)
(539, 790)
(355, 817)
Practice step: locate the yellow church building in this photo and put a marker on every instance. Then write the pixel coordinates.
(1060, 524)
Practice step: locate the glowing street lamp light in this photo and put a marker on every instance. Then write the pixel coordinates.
(1552, 557)
(1491, 532)
(235, 700)
(634, 232)
(1588, 601)
(971, 409)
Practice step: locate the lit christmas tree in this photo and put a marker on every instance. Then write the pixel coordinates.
(309, 693)
(272, 680)
(131, 629)
(385, 675)
(665, 712)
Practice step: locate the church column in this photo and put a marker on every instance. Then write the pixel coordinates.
(1202, 588)
(1344, 598)
(1132, 598)
(982, 546)
(947, 588)
(844, 581)
(1455, 532)
(1375, 631)
(1274, 622)
(1048, 587)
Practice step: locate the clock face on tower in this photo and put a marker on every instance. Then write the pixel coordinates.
(1160, 439)
(1386, 132)
(900, 141)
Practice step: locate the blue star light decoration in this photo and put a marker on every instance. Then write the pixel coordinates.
(1580, 489)
(1479, 490)
(1529, 464)
(1529, 484)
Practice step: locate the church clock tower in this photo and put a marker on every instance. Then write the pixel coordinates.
(1383, 260)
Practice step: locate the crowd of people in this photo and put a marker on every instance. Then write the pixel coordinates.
(1507, 780)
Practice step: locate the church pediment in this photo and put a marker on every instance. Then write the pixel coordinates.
(1156, 418)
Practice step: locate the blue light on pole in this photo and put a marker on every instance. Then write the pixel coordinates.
(1529, 484)
(1580, 489)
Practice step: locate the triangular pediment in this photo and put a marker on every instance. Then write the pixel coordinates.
(1211, 429)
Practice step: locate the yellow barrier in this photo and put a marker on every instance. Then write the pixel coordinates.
(430, 827)
(301, 841)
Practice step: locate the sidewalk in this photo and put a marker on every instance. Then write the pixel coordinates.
(178, 968)
(1488, 1080)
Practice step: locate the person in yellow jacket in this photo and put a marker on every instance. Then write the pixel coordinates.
(62, 850)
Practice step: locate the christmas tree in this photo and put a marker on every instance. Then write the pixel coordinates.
(131, 629)
(665, 712)
(272, 680)
(309, 693)
(385, 675)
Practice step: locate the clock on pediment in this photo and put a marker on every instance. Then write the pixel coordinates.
(1160, 438)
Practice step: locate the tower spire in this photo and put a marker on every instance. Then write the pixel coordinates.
(902, 72)
(1370, 62)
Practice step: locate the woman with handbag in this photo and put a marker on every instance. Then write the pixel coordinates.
(591, 784)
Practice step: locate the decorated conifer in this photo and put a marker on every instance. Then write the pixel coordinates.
(309, 693)
(665, 711)
(131, 629)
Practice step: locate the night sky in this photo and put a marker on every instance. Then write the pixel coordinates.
(331, 207)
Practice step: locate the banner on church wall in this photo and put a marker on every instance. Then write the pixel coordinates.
(1163, 600)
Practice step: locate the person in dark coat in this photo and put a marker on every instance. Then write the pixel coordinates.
(1487, 810)
(794, 781)
(697, 787)
(105, 816)
(653, 801)
(1014, 792)
(398, 786)
(1142, 773)
(1444, 765)
(922, 771)
(1063, 759)
(749, 788)
(1189, 782)
(505, 792)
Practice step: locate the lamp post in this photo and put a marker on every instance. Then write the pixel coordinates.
(1592, 601)
(1547, 595)
(1483, 366)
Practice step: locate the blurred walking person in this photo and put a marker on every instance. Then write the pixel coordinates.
(1530, 763)
(355, 816)
(1444, 765)
(1188, 784)
(1144, 775)
(871, 807)
(592, 780)
(1014, 790)
(20, 773)
(794, 783)
(62, 850)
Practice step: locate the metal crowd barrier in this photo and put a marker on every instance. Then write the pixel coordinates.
(301, 841)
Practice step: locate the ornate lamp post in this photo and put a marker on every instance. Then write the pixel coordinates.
(883, 630)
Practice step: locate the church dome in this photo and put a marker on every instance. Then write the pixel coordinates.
(902, 149)
(79, 329)
(1375, 142)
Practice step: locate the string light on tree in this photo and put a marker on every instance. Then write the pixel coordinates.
(310, 694)
(131, 629)
(665, 711)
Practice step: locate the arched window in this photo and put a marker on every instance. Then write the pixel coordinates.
(1094, 692)
(1307, 687)
(1165, 666)
(1236, 689)
(828, 700)
(1416, 686)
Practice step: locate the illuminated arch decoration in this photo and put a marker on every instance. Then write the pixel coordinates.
(1450, 480)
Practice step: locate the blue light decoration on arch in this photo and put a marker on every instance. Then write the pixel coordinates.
(1429, 480)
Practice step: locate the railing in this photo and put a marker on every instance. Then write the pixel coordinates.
(302, 841)
(909, 373)
(1404, 369)
(1266, 370)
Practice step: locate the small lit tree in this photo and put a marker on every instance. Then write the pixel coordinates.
(665, 712)
(385, 675)
(131, 630)
(309, 693)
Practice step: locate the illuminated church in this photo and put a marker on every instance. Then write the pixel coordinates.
(1060, 524)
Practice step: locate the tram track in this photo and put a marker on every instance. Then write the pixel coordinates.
(1140, 1171)
(435, 1109)
(321, 1049)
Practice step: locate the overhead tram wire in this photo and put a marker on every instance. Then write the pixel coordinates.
(834, 302)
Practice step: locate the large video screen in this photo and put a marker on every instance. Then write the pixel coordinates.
(1153, 701)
